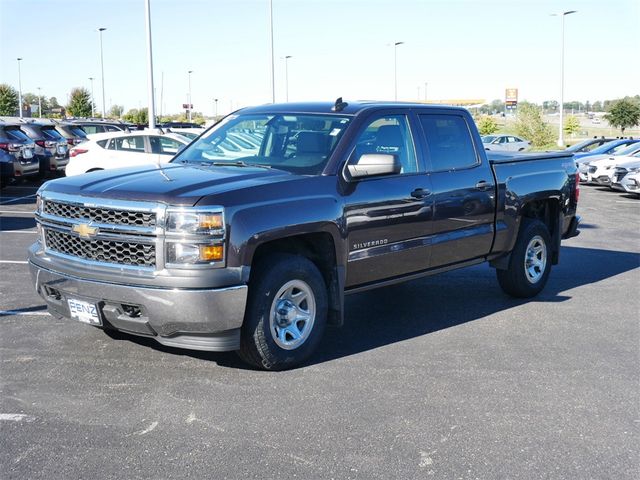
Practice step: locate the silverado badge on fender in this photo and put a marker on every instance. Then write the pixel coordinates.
(84, 230)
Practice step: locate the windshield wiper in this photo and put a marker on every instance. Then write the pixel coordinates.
(239, 163)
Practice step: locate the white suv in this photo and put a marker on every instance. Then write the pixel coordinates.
(124, 149)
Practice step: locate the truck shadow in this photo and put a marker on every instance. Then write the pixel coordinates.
(381, 317)
(401, 312)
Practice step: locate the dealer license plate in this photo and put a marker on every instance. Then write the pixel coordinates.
(85, 312)
(62, 150)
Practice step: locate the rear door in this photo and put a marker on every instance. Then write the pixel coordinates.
(127, 151)
(463, 190)
(162, 148)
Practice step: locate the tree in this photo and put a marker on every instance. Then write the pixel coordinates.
(8, 100)
(487, 125)
(623, 114)
(80, 103)
(571, 125)
(139, 117)
(529, 125)
(116, 111)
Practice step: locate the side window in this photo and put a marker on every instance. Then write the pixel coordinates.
(109, 128)
(164, 145)
(449, 141)
(90, 129)
(128, 144)
(389, 135)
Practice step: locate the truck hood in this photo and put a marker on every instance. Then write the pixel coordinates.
(170, 184)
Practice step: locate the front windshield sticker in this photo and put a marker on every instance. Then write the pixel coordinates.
(335, 132)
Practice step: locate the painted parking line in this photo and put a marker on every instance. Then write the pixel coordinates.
(15, 199)
(30, 212)
(16, 417)
(634, 202)
(21, 262)
(8, 313)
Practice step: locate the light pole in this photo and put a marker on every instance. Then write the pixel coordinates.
(151, 93)
(560, 128)
(273, 80)
(215, 118)
(286, 76)
(93, 107)
(19, 88)
(395, 69)
(104, 107)
(40, 101)
(425, 91)
(189, 102)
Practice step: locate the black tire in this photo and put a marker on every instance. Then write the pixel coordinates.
(267, 341)
(533, 241)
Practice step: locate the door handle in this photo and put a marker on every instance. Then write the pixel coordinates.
(483, 185)
(420, 193)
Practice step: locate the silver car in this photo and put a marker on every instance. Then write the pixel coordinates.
(505, 143)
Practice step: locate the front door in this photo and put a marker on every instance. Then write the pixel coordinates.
(388, 217)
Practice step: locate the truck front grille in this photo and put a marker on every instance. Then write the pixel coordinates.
(105, 251)
(99, 214)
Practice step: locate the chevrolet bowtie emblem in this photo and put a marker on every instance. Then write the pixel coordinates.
(85, 230)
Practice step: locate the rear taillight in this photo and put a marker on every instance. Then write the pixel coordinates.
(577, 190)
(10, 147)
(46, 143)
(71, 141)
(77, 151)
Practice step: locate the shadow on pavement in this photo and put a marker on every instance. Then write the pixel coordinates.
(17, 223)
(393, 314)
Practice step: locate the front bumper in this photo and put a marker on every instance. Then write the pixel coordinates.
(195, 319)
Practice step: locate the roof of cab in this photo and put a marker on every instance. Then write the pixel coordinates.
(351, 108)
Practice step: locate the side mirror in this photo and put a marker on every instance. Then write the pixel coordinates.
(372, 164)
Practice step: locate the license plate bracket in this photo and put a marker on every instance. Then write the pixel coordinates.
(83, 311)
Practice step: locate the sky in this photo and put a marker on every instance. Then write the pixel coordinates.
(461, 49)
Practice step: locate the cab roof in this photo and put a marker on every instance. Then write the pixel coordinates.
(351, 108)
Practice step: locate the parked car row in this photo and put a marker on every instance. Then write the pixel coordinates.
(615, 164)
(35, 148)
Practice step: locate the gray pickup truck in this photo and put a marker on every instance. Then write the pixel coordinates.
(254, 233)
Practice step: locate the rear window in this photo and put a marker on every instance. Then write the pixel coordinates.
(78, 131)
(16, 134)
(51, 133)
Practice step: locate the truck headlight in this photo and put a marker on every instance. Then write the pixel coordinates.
(195, 222)
(38, 203)
(195, 236)
(185, 253)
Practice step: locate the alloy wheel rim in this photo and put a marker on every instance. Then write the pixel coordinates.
(292, 315)
(535, 259)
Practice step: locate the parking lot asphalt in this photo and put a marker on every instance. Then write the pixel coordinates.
(444, 377)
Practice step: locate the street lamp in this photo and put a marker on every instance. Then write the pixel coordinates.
(395, 68)
(39, 101)
(19, 87)
(216, 115)
(560, 129)
(273, 79)
(93, 113)
(425, 91)
(152, 97)
(286, 76)
(104, 107)
(189, 102)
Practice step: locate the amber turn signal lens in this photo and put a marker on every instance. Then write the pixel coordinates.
(211, 253)
(210, 222)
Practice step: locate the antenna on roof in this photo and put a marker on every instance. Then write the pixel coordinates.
(339, 105)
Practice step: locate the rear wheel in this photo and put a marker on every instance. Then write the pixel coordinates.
(286, 313)
(530, 264)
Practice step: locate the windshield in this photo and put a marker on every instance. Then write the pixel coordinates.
(295, 143)
(629, 149)
(488, 138)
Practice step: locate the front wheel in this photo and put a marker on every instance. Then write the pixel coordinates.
(286, 313)
(530, 263)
